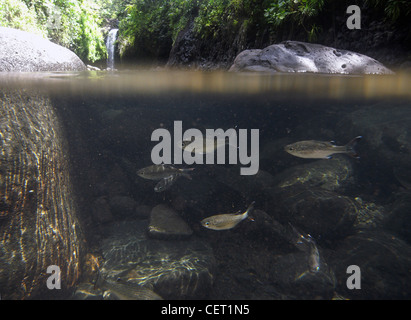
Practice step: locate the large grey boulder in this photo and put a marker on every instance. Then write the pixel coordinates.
(295, 56)
(22, 51)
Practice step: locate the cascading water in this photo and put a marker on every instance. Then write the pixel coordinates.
(110, 45)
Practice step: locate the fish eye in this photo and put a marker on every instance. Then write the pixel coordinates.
(291, 148)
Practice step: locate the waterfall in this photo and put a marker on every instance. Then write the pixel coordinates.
(110, 45)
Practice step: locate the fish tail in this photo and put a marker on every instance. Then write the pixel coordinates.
(249, 209)
(350, 147)
(184, 173)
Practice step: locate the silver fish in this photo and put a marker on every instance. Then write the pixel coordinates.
(122, 290)
(306, 243)
(161, 171)
(226, 221)
(313, 149)
(208, 144)
(166, 183)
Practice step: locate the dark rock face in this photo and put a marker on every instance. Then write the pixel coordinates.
(387, 129)
(377, 254)
(38, 215)
(294, 56)
(21, 51)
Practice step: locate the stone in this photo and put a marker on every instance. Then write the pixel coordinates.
(143, 211)
(122, 206)
(399, 220)
(330, 174)
(173, 269)
(39, 224)
(22, 51)
(386, 128)
(165, 223)
(384, 261)
(289, 274)
(101, 210)
(295, 56)
(316, 211)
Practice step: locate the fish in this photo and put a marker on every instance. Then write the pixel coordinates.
(122, 290)
(313, 257)
(312, 149)
(166, 183)
(161, 171)
(306, 244)
(204, 145)
(226, 221)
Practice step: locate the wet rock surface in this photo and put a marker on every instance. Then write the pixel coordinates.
(39, 223)
(22, 51)
(165, 223)
(294, 56)
(384, 261)
(174, 269)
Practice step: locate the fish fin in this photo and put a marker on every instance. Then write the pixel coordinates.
(250, 208)
(184, 173)
(351, 145)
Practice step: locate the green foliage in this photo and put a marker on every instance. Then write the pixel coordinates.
(15, 14)
(74, 24)
(154, 20)
(215, 17)
(394, 10)
(90, 41)
(295, 12)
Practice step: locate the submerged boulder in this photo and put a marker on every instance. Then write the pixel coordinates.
(384, 262)
(22, 51)
(38, 210)
(173, 269)
(165, 223)
(295, 56)
(327, 174)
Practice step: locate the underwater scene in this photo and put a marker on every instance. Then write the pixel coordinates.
(191, 185)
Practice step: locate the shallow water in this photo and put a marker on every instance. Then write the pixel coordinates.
(71, 197)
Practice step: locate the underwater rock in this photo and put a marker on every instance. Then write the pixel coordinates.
(253, 187)
(329, 174)
(87, 291)
(22, 51)
(316, 211)
(38, 209)
(175, 269)
(384, 261)
(165, 223)
(369, 214)
(289, 275)
(386, 128)
(122, 206)
(143, 211)
(295, 56)
(399, 221)
(101, 210)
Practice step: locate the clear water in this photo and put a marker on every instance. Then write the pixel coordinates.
(321, 228)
